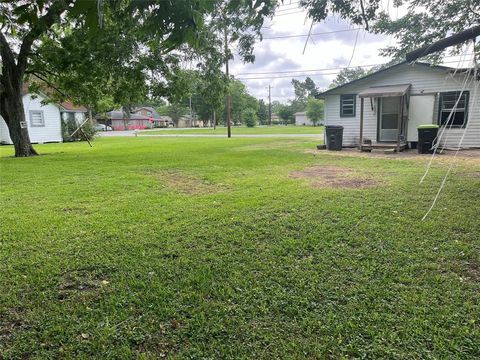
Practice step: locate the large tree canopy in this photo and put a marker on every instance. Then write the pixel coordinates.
(427, 21)
(304, 90)
(348, 74)
(424, 22)
(315, 110)
(117, 49)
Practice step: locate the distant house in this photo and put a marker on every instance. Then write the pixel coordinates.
(43, 120)
(146, 111)
(276, 119)
(70, 111)
(186, 122)
(140, 118)
(397, 99)
(302, 119)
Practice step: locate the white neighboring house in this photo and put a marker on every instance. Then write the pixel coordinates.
(301, 119)
(399, 98)
(70, 111)
(187, 122)
(43, 120)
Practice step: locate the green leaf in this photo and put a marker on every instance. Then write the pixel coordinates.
(83, 7)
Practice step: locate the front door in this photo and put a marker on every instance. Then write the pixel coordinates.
(388, 118)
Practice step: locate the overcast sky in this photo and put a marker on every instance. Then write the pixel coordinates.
(334, 50)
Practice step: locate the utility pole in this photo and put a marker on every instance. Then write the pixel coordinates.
(269, 105)
(191, 115)
(228, 100)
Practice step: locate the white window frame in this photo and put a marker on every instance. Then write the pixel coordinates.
(31, 112)
(443, 109)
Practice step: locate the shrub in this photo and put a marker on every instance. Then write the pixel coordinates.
(70, 125)
(315, 110)
(250, 117)
(88, 132)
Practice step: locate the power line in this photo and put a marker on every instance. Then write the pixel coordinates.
(280, 11)
(291, 13)
(321, 69)
(354, 48)
(291, 3)
(284, 8)
(308, 37)
(288, 76)
(312, 34)
(302, 71)
(331, 71)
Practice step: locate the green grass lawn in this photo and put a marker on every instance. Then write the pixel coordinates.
(240, 248)
(242, 130)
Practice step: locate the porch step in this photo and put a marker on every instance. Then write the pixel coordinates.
(369, 146)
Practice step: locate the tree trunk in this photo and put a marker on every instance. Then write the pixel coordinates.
(14, 115)
(90, 116)
(12, 72)
(126, 116)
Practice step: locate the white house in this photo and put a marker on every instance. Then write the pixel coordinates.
(301, 119)
(43, 120)
(386, 107)
(70, 111)
(186, 122)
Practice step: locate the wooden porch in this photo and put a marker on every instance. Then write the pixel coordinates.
(386, 146)
(401, 92)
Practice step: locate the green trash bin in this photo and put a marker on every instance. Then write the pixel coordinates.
(334, 137)
(427, 136)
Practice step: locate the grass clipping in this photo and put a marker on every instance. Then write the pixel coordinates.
(335, 177)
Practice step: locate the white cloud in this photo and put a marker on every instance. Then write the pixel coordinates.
(322, 51)
(326, 51)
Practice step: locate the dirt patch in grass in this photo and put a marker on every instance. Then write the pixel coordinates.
(75, 210)
(335, 176)
(475, 175)
(10, 322)
(467, 270)
(277, 144)
(473, 272)
(468, 158)
(156, 349)
(186, 183)
(156, 346)
(79, 281)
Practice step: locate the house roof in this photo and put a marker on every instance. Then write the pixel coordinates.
(300, 113)
(47, 92)
(321, 95)
(154, 112)
(385, 91)
(69, 106)
(148, 108)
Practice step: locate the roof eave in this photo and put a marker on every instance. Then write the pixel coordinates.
(330, 91)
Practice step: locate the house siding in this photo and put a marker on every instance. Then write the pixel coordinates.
(51, 132)
(424, 80)
(301, 119)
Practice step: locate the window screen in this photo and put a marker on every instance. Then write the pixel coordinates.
(347, 105)
(36, 118)
(453, 108)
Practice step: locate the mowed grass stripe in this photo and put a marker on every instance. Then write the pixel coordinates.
(242, 130)
(104, 254)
